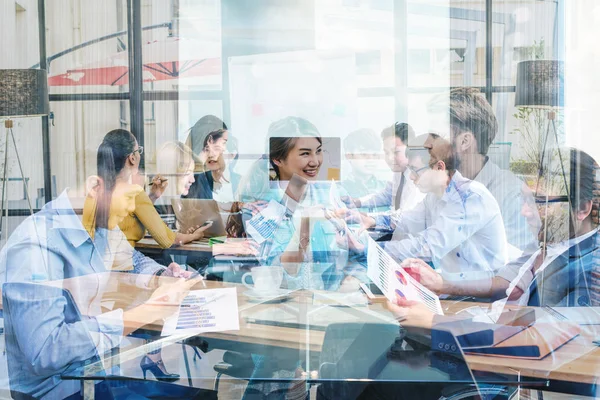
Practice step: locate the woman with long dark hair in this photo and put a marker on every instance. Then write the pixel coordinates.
(118, 160)
(46, 337)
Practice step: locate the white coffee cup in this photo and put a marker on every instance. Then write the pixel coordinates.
(266, 279)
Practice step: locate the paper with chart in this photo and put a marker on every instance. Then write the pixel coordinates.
(392, 279)
(262, 226)
(208, 310)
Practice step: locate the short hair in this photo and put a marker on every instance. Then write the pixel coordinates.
(469, 111)
(583, 171)
(205, 127)
(401, 130)
(446, 154)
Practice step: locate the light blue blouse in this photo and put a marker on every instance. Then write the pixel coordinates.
(49, 246)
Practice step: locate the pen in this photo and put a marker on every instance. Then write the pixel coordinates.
(161, 181)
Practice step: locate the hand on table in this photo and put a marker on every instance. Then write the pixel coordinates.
(175, 271)
(241, 248)
(170, 294)
(420, 271)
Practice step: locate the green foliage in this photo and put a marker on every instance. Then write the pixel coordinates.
(537, 51)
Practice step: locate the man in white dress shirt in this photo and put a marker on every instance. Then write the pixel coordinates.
(458, 224)
(468, 120)
(401, 193)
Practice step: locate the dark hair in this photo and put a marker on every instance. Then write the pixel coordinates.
(283, 135)
(116, 146)
(444, 152)
(235, 225)
(469, 111)
(401, 130)
(205, 127)
(361, 139)
(583, 172)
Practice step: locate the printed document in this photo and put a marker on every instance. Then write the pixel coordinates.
(393, 280)
(208, 310)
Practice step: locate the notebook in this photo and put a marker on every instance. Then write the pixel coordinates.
(535, 342)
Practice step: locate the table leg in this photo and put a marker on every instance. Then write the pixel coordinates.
(89, 389)
(187, 364)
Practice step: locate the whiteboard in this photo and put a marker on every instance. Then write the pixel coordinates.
(317, 85)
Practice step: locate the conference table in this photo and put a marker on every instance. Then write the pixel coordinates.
(150, 247)
(305, 317)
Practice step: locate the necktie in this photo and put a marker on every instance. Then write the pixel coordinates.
(399, 193)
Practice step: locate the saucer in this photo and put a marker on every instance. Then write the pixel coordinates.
(266, 296)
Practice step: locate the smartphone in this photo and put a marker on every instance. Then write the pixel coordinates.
(372, 291)
(209, 222)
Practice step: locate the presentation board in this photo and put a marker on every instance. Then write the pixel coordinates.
(317, 85)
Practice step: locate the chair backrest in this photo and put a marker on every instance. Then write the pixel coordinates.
(375, 352)
(17, 298)
(350, 349)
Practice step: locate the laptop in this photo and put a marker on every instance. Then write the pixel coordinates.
(195, 212)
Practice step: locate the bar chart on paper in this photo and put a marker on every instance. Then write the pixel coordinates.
(209, 310)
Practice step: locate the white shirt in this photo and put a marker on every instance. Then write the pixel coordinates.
(462, 231)
(410, 197)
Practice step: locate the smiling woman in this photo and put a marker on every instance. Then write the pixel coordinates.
(295, 147)
(301, 156)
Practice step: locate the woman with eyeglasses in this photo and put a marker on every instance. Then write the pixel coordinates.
(127, 155)
(50, 332)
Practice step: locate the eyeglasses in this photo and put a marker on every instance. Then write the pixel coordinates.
(140, 150)
(418, 171)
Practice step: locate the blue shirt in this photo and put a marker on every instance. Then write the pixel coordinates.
(54, 245)
(326, 254)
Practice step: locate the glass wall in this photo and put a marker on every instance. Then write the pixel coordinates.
(300, 199)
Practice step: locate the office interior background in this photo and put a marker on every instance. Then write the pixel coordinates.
(368, 62)
(344, 65)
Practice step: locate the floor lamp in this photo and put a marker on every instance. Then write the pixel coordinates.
(540, 84)
(23, 93)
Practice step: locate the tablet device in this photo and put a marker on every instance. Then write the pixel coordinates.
(197, 212)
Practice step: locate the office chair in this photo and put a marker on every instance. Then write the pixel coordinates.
(349, 351)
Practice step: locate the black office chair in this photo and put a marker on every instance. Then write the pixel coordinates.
(349, 351)
(379, 352)
(234, 364)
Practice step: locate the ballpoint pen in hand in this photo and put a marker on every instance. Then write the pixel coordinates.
(160, 181)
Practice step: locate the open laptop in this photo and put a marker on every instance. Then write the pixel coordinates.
(196, 212)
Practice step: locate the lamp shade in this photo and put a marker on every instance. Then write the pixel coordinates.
(23, 92)
(540, 83)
